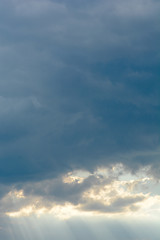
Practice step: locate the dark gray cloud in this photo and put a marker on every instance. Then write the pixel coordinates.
(120, 204)
(79, 89)
(79, 86)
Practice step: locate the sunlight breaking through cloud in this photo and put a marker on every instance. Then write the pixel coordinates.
(105, 192)
(79, 120)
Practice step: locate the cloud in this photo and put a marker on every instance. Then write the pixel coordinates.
(120, 205)
(79, 87)
(104, 192)
(79, 119)
(110, 202)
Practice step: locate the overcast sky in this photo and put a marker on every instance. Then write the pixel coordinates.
(79, 119)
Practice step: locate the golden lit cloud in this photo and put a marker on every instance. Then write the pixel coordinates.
(106, 191)
(75, 177)
(27, 211)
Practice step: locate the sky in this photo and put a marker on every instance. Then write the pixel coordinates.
(79, 119)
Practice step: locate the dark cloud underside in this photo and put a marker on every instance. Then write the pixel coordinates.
(79, 86)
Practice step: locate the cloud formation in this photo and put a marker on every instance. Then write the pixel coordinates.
(79, 92)
(104, 192)
(79, 86)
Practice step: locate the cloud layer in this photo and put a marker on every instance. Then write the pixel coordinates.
(79, 86)
(79, 119)
(105, 192)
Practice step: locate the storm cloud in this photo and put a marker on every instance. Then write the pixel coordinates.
(79, 119)
(79, 86)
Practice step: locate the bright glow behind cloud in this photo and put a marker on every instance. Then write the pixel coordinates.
(105, 192)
